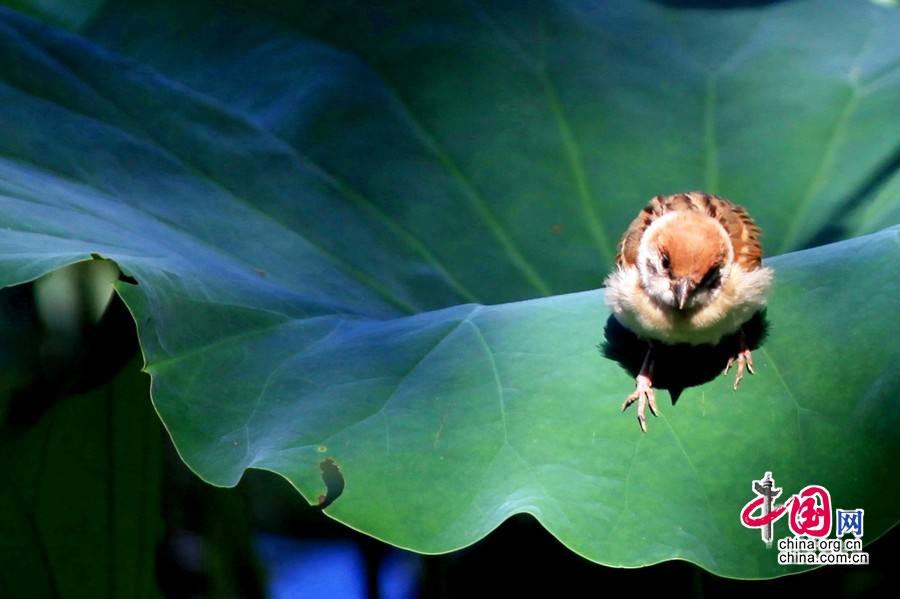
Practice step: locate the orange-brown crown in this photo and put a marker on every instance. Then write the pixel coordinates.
(691, 243)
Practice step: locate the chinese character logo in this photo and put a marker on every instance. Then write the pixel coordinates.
(810, 522)
(811, 512)
(809, 515)
(766, 493)
(849, 521)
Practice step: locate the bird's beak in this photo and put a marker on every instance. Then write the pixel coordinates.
(682, 290)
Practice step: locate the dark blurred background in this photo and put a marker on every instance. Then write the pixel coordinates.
(94, 500)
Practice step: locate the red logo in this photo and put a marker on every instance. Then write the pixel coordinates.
(810, 513)
(751, 521)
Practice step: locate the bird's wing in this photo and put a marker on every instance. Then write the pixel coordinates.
(740, 227)
(743, 232)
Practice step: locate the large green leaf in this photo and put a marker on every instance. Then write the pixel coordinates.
(305, 198)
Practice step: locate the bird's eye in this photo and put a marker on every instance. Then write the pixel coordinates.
(710, 279)
(665, 261)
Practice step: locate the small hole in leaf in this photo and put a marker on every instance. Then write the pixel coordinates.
(334, 482)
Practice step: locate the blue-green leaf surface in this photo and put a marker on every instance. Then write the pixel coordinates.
(370, 233)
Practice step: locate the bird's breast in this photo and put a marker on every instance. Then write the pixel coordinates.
(742, 295)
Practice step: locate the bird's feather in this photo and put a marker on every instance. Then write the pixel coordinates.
(744, 234)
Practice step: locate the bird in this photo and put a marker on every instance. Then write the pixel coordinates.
(688, 270)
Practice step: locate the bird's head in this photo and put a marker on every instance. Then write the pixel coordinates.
(684, 258)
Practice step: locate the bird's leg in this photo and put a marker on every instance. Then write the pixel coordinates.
(643, 392)
(743, 359)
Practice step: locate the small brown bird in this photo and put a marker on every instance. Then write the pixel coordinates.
(689, 270)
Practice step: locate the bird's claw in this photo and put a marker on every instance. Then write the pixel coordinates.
(744, 360)
(643, 395)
